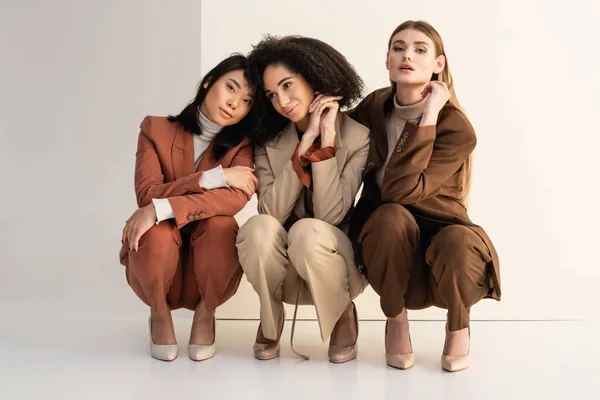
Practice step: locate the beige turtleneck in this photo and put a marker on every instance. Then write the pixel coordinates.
(394, 123)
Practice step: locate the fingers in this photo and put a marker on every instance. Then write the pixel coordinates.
(135, 240)
(331, 104)
(322, 99)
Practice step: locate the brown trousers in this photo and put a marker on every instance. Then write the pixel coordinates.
(416, 264)
(179, 268)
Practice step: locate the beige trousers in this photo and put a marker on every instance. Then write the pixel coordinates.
(313, 261)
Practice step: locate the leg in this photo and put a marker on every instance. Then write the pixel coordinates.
(322, 256)
(212, 273)
(261, 245)
(458, 258)
(154, 273)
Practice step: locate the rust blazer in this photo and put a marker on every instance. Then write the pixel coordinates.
(164, 168)
(423, 173)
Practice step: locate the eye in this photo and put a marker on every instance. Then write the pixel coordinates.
(248, 102)
(271, 96)
(287, 85)
(398, 49)
(421, 51)
(231, 89)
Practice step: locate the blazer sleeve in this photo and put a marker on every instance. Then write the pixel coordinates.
(208, 203)
(430, 156)
(334, 193)
(276, 195)
(149, 179)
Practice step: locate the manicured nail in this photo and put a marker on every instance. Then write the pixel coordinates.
(121, 241)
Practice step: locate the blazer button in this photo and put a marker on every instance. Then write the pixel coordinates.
(202, 215)
(190, 218)
(371, 165)
(398, 149)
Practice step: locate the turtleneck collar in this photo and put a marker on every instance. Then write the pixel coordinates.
(209, 128)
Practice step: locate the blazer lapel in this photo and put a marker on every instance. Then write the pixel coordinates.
(342, 151)
(182, 153)
(208, 161)
(280, 150)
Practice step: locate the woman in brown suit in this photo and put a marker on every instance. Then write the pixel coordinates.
(193, 173)
(412, 236)
(296, 250)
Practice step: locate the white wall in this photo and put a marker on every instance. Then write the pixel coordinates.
(78, 77)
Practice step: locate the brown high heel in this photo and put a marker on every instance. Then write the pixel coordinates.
(342, 354)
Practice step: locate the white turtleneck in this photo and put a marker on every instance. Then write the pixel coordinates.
(211, 179)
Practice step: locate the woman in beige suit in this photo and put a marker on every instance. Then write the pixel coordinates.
(296, 250)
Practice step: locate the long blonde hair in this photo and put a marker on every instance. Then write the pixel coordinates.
(446, 77)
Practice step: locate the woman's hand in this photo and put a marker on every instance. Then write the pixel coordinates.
(139, 223)
(438, 97)
(327, 108)
(242, 178)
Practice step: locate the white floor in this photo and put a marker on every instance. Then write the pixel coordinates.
(108, 359)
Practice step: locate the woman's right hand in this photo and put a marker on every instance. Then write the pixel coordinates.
(241, 177)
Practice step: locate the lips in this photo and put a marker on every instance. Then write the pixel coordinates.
(226, 113)
(406, 67)
(290, 110)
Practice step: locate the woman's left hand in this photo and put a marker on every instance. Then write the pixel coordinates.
(438, 97)
(327, 108)
(139, 223)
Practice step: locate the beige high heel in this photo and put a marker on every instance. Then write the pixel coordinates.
(162, 352)
(342, 354)
(268, 351)
(455, 364)
(400, 361)
(201, 352)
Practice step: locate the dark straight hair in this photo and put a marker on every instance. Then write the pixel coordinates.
(229, 136)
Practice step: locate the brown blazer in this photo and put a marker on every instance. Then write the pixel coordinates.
(164, 168)
(423, 173)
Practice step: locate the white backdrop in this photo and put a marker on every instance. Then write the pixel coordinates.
(78, 77)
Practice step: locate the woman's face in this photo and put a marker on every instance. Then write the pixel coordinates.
(229, 100)
(290, 93)
(411, 58)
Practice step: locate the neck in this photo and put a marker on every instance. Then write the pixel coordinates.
(302, 125)
(409, 95)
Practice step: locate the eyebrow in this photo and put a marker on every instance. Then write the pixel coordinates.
(236, 83)
(403, 42)
(279, 83)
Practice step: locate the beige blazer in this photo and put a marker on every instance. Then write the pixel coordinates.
(335, 182)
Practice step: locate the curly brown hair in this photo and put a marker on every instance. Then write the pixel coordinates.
(324, 68)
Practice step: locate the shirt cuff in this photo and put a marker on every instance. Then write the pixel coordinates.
(300, 169)
(213, 178)
(316, 154)
(163, 210)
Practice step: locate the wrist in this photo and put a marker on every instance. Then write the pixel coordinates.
(429, 118)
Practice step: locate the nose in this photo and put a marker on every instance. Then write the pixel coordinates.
(232, 103)
(283, 101)
(407, 54)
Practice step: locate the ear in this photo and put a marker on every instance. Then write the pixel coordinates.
(440, 64)
(387, 60)
(206, 83)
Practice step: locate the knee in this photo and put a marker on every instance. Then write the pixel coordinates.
(260, 232)
(219, 225)
(158, 242)
(308, 235)
(455, 248)
(391, 221)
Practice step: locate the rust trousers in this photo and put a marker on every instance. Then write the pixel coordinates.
(416, 263)
(178, 268)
